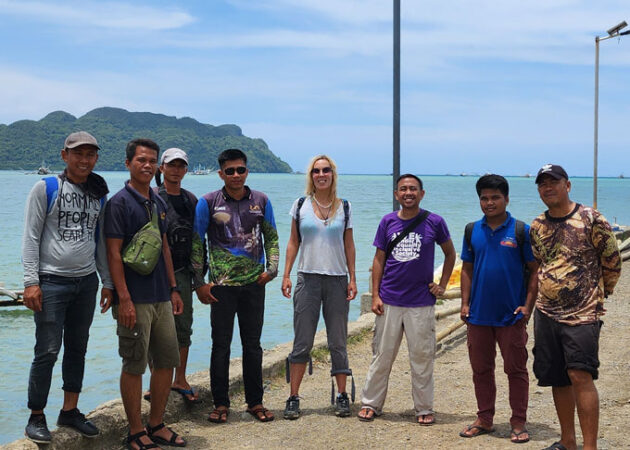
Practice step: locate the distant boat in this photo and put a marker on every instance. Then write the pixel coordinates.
(199, 170)
(43, 170)
(621, 176)
(527, 175)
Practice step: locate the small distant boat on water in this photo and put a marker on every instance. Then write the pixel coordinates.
(527, 175)
(199, 170)
(621, 176)
(43, 170)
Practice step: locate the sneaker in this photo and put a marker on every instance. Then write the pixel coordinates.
(342, 405)
(37, 430)
(75, 419)
(292, 410)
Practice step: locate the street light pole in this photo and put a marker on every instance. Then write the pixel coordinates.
(595, 134)
(613, 32)
(396, 143)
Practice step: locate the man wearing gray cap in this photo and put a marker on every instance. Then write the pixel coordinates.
(579, 265)
(61, 252)
(186, 253)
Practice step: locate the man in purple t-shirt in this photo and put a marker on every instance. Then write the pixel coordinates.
(403, 298)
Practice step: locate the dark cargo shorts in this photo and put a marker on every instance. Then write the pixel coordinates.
(559, 347)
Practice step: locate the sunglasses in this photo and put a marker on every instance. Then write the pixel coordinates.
(323, 170)
(230, 170)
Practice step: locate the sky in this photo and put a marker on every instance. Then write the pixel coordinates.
(486, 86)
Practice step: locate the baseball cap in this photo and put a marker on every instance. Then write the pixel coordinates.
(173, 154)
(79, 138)
(552, 170)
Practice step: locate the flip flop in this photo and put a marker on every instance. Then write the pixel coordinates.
(185, 393)
(481, 431)
(518, 440)
(423, 422)
(556, 446)
(365, 417)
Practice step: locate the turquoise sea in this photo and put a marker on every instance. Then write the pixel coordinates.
(452, 197)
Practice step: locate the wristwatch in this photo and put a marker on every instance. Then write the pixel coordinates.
(175, 289)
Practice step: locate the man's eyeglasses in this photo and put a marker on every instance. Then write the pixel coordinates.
(323, 170)
(230, 170)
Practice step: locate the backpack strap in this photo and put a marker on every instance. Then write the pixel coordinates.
(417, 221)
(187, 197)
(52, 189)
(189, 201)
(97, 229)
(346, 213)
(468, 237)
(161, 191)
(297, 217)
(519, 234)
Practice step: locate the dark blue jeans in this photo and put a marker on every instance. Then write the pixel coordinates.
(248, 302)
(67, 312)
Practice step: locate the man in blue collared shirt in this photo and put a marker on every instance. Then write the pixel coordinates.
(497, 301)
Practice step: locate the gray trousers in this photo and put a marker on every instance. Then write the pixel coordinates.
(418, 324)
(328, 293)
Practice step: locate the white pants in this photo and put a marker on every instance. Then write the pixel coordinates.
(418, 324)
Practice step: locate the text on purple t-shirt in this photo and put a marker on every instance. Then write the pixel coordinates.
(409, 269)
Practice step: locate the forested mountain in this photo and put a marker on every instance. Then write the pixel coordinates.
(26, 143)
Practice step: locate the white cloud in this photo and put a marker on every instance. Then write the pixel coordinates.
(28, 96)
(108, 15)
(547, 31)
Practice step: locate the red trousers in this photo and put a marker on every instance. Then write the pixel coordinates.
(512, 341)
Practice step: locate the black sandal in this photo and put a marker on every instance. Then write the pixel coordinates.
(135, 439)
(220, 415)
(159, 440)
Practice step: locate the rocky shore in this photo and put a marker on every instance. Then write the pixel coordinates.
(454, 401)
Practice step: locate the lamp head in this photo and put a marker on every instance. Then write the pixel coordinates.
(617, 28)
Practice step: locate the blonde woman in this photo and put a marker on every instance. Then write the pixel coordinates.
(322, 228)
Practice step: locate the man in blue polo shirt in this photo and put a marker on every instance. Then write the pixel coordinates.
(144, 305)
(497, 301)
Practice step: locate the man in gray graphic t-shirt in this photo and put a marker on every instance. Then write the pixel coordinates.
(60, 257)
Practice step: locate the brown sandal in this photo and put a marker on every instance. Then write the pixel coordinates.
(220, 415)
(267, 416)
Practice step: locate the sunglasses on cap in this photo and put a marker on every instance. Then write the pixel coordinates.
(323, 170)
(230, 170)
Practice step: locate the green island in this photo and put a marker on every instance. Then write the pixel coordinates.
(28, 144)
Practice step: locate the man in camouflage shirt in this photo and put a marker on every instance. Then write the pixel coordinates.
(579, 266)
